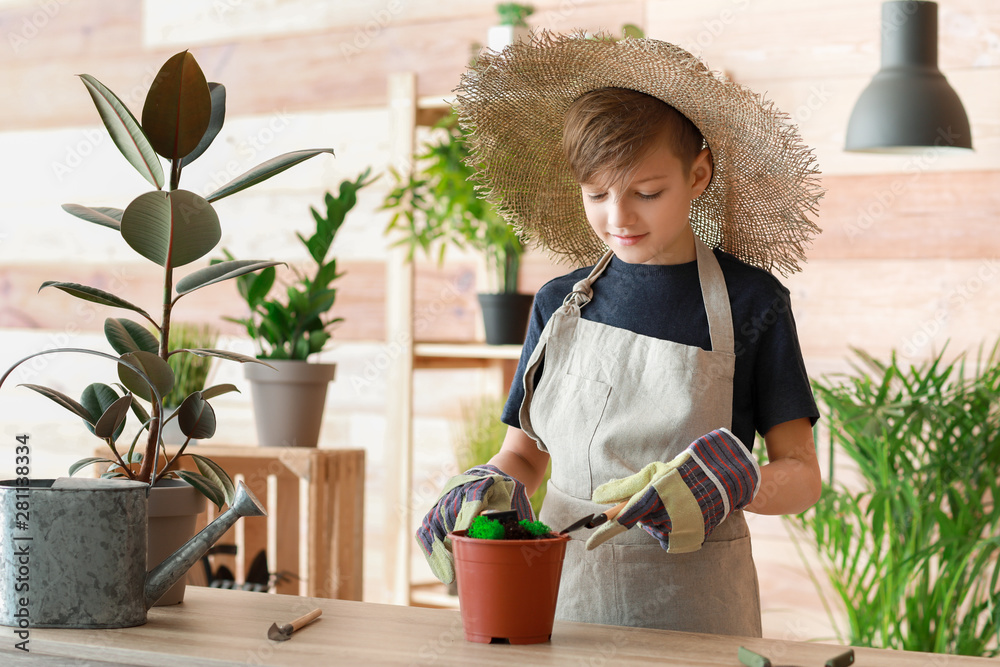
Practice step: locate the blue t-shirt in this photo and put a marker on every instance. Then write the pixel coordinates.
(770, 384)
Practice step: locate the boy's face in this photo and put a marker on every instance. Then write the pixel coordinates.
(645, 220)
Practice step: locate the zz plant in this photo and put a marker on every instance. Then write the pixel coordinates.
(173, 228)
(295, 326)
(912, 547)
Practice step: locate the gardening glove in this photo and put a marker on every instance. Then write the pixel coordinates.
(681, 502)
(465, 497)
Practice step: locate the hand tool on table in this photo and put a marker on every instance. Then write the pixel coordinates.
(751, 659)
(280, 633)
(595, 520)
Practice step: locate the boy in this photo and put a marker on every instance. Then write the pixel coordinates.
(643, 376)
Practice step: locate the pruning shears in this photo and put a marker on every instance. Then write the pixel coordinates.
(595, 520)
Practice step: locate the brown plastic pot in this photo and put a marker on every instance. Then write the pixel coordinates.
(507, 589)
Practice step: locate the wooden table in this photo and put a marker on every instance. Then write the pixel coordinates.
(227, 627)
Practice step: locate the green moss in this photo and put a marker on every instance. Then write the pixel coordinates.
(484, 528)
(536, 528)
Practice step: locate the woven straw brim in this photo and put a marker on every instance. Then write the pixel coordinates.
(513, 103)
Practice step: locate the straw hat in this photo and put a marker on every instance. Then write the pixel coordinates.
(513, 104)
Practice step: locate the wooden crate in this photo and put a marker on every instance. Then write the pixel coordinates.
(313, 531)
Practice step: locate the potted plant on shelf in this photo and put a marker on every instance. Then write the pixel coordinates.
(289, 394)
(513, 25)
(437, 206)
(172, 228)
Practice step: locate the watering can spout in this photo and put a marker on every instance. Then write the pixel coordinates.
(166, 574)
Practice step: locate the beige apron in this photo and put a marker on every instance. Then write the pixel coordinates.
(610, 401)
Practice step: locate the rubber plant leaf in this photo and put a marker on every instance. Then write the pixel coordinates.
(205, 486)
(155, 368)
(216, 273)
(176, 227)
(83, 463)
(214, 472)
(113, 420)
(196, 417)
(97, 398)
(99, 215)
(125, 131)
(264, 171)
(63, 400)
(215, 121)
(178, 107)
(226, 354)
(94, 295)
(126, 335)
(218, 390)
(140, 412)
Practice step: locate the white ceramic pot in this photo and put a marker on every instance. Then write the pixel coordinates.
(499, 36)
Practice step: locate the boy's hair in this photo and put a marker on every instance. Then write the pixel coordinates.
(612, 129)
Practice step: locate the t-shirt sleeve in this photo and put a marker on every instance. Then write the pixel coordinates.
(515, 396)
(781, 388)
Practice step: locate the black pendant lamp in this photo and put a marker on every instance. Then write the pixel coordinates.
(908, 107)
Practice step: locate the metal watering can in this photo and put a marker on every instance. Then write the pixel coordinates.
(73, 552)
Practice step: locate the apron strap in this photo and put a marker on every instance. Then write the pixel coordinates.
(582, 292)
(713, 292)
(716, 297)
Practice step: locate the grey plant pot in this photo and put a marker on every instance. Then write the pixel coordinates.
(174, 506)
(288, 402)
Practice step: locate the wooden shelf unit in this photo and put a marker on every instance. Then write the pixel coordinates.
(313, 532)
(406, 114)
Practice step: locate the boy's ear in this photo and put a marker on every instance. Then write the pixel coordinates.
(701, 172)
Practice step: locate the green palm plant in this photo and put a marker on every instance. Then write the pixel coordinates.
(182, 115)
(912, 549)
(440, 206)
(190, 370)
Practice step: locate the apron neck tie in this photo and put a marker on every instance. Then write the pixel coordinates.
(582, 292)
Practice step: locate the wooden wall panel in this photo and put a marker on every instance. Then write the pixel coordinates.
(446, 303)
(338, 67)
(769, 40)
(918, 215)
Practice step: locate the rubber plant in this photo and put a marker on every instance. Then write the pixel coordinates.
(183, 113)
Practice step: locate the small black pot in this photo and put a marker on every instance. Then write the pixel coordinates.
(505, 317)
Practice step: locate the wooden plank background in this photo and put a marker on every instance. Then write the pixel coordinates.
(908, 259)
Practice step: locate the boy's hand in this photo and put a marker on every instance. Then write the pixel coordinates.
(465, 497)
(681, 502)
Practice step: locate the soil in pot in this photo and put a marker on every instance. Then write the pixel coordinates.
(508, 587)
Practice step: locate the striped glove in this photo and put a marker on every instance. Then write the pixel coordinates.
(681, 502)
(465, 497)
